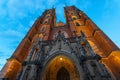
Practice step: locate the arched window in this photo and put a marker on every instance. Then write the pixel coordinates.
(45, 21)
(43, 28)
(74, 17)
(80, 15)
(47, 16)
(77, 24)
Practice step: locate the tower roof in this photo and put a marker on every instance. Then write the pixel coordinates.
(60, 23)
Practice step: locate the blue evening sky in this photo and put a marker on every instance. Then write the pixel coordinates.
(17, 17)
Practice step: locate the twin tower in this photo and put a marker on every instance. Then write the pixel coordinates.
(77, 50)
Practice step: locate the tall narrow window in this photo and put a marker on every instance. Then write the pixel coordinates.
(43, 28)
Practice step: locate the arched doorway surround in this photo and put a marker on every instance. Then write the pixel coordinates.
(59, 60)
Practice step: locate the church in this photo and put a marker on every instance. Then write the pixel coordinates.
(77, 50)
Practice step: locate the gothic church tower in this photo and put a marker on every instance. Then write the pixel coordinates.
(77, 50)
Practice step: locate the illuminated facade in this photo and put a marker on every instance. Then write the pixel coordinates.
(77, 50)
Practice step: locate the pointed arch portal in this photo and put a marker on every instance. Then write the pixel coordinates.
(61, 68)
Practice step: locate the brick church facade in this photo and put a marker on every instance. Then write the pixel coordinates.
(77, 50)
